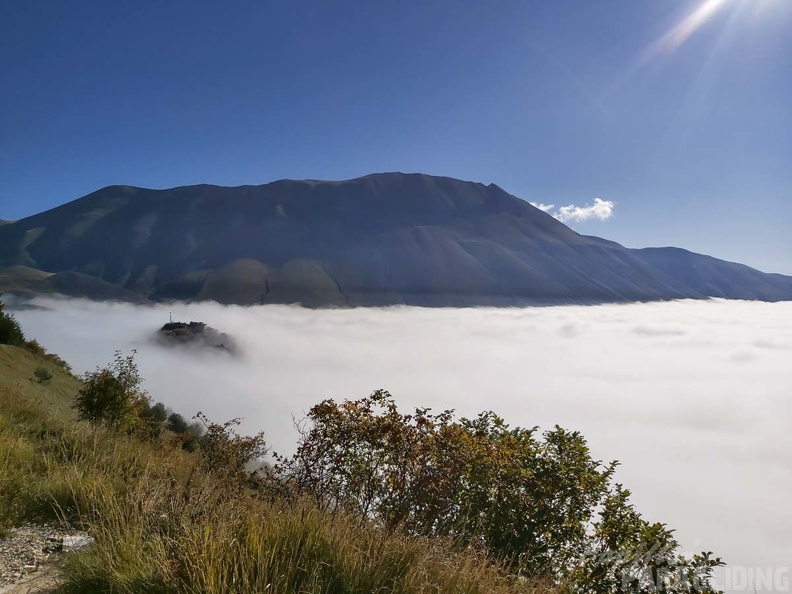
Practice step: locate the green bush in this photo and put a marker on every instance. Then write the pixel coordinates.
(42, 375)
(113, 396)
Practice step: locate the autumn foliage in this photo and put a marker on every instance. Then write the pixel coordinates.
(536, 501)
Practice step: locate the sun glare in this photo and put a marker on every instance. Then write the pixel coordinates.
(689, 25)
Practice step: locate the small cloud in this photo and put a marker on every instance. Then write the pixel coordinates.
(543, 207)
(600, 209)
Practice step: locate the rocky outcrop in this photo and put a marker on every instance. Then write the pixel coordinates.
(195, 334)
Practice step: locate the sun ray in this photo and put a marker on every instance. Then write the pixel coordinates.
(678, 35)
(672, 39)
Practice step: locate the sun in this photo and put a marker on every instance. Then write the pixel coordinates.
(680, 33)
(703, 12)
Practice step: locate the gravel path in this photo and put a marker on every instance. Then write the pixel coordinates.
(27, 550)
(44, 581)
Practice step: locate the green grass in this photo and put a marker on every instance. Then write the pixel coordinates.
(162, 524)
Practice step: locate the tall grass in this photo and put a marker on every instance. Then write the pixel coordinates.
(161, 524)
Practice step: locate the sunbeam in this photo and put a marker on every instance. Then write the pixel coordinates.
(679, 34)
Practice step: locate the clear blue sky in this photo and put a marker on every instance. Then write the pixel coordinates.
(556, 101)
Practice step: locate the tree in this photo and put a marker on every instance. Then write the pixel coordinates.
(113, 395)
(157, 412)
(177, 424)
(10, 330)
(539, 503)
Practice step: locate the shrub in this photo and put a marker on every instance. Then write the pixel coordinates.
(540, 504)
(42, 375)
(113, 396)
(224, 451)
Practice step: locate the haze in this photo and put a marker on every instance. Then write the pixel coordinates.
(691, 396)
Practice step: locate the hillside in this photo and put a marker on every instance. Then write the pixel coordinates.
(382, 239)
(158, 521)
(61, 475)
(17, 374)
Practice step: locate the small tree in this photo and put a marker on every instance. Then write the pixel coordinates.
(112, 395)
(158, 412)
(10, 331)
(177, 424)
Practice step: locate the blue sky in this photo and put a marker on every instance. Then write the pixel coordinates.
(557, 102)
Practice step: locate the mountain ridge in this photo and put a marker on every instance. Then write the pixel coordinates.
(380, 239)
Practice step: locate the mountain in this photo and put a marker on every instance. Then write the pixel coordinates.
(381, 239)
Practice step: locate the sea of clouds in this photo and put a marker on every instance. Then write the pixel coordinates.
(693, 397)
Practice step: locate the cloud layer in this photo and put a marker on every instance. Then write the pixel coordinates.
(600, 210)
(692, 397)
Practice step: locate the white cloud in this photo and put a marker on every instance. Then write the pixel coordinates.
(543, 207)
(600, 209)
(653, 385)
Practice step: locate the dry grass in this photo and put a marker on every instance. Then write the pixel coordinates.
(17, 373)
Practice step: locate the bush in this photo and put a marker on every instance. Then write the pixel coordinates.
(540, 504)
(42, 375)
(224, 451)
(113, 396)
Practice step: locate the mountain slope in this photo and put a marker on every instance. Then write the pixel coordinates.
(377, 240)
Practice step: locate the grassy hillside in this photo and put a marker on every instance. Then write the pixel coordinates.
(164, 524)
(18, 375)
